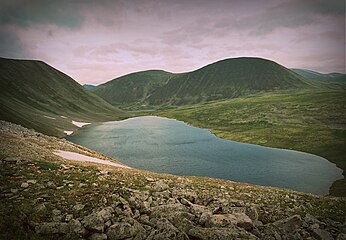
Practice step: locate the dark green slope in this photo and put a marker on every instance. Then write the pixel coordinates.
(33, 93)
(329, 77)
(228, 78)
(133, 88)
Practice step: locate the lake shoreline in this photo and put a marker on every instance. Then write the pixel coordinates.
(268, 148)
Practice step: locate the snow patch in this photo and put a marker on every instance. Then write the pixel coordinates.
(79, 124)
(49, 117)
(82, 158)
(68, 132)
(63, 117)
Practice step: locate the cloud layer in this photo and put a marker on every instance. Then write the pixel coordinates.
(95, 41)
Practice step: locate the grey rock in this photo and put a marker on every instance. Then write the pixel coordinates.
(252, 213)
(198, 210)
(78, 207)
(40, 208)
(98, 236)
(32, 181)
(56, 212)
(320, 234)
(96, 221)
(52, 228)
(68, 217)
(186, 202)
(166, 230)
(106, 213)
(121, 230)
(51, 184)
(289, 224)
(76, 227)
(160, 186)
(93, 222)
(24, 185)
(168, 209)
(12, 159)
(341, 236)
(14, 190)
(56, 215)
(219, 233)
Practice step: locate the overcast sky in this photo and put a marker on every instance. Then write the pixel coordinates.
(96, 41)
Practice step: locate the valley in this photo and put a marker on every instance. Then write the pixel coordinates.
(55, 189)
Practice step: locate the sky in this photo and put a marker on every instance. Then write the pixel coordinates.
(96, 41)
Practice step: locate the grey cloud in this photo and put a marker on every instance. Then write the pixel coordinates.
(10, 45)
(288, 14)
(35, 12)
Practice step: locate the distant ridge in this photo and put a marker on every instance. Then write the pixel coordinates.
(329, 77)
(224, 79)
(36, 95)
(89, 86)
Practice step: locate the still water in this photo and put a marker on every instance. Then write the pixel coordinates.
(170, 146)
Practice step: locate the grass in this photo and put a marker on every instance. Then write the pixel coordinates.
(306, 120)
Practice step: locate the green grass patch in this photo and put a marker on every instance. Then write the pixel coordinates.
(48, 165)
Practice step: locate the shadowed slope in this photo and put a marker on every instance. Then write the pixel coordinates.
(36, 95)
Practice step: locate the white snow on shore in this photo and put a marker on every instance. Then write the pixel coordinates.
(49, 117)
(82, 158)
(68, 132)
(79, 124)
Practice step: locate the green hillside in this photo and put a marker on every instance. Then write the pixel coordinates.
(329, 77)
(133, 88)
(225, 79)
(228, 78)
(36, 95)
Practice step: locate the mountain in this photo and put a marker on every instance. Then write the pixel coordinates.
(227, 78)
(224, 79)
(133, 88)
(38, 96)
(329, 77)
(89, 86)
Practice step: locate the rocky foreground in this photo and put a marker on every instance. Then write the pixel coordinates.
(43, 196)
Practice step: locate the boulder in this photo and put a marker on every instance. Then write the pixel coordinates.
(96, 220)
(98, 236)
(52, 228)
(290, 224)
(93, 222)
(122, 230)
(252, 213)
(160, 186)
(166, 230)
(321, 234)
(48, 228)
(215, 233)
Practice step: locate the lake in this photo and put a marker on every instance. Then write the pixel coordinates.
(170, 146)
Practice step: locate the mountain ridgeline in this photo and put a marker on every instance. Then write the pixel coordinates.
(328, 77)
(38, 96)
(229, 78)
